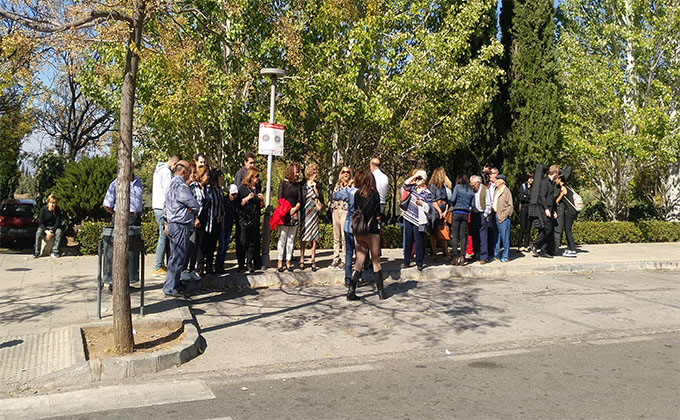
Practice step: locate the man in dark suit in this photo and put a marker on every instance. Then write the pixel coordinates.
(544, 203)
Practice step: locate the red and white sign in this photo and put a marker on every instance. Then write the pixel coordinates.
(270, 139)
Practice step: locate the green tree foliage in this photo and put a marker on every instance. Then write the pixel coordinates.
(621, 68)
(534, 92)
(49, 167)
(15, 124)
(395, 79)
(82, 187)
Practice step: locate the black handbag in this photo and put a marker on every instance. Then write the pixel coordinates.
(359, 223)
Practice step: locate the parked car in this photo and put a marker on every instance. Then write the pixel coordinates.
(17, 223)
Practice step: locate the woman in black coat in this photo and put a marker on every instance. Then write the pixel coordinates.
(249, 217)
(366, 234)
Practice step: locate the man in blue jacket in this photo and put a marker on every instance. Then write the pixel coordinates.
(180, 212)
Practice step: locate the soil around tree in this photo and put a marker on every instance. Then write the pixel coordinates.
(148, 337)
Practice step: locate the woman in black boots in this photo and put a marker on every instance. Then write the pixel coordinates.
(366, 232)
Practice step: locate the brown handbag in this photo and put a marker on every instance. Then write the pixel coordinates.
(443, 232)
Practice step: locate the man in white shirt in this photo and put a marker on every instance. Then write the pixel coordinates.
(493, 226)
(161, 179)
(382, 183)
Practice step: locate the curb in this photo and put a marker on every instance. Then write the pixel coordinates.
(272, 278)
(112, 368)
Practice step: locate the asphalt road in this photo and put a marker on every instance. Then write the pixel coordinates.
(636, 377)
(551, 347)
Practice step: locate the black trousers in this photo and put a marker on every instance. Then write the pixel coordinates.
(559, 226)
(568, 224)
(240, 251)
(459, 233)
(546, 238)
(208, 247)
(524, 226)
(250, 241)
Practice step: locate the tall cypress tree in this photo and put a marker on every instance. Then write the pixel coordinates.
(534, 92)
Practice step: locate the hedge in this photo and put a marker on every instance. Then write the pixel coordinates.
(584, 233)
(89, 234)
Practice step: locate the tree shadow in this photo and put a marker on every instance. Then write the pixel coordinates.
(425, 315)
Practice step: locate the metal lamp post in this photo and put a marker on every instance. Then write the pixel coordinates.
(273, 74)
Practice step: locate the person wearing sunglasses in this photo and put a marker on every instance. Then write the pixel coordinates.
(339, 210)
(415, 217)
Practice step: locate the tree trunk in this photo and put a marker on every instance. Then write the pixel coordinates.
(336, 157)
(671, 192)
(122, 316)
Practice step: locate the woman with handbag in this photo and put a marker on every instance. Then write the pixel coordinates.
(441, 206)
(339, 214)
(570, 212)
(249, 216)
(309, 218)
(416, 207)
(461, 203)
(289, 190)
(366, 232)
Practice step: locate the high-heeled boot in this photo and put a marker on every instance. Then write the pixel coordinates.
(352, 290)
(380, 285)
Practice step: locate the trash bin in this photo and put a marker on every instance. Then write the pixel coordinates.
(135, 248)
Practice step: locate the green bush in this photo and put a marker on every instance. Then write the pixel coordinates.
(584, 233)
(90, 233)
(88, 236)
(82, 188)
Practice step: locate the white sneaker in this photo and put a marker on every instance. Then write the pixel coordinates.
(194, 275)
(185, 276)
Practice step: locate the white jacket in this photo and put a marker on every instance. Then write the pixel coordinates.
(161, 180)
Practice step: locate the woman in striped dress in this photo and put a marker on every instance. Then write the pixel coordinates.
(309, 217)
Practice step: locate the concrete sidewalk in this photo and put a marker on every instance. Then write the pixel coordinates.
(42, 300)
(43, 304)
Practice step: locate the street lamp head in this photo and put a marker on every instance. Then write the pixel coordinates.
(272, 72)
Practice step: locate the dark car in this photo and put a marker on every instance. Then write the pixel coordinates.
(17, 223)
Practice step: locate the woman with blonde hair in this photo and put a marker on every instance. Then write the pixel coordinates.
(249, 217)
(339, 209)
(309, 217)
(442, 212)
(50, 226)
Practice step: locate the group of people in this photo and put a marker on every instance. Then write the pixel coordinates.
(196, 216)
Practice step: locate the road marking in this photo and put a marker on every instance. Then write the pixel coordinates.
(105, 398)
(318, 372)
(488, 354)
(608, 341)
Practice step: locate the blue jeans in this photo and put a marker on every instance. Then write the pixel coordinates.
(178, 234)
(349, 254)
(413, 234)
(160, 247)
(504, 237)
(225, 238)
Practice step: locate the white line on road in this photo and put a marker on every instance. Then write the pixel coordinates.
(319, 372)
(488, 354)
(607, 341)
(105, 398)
